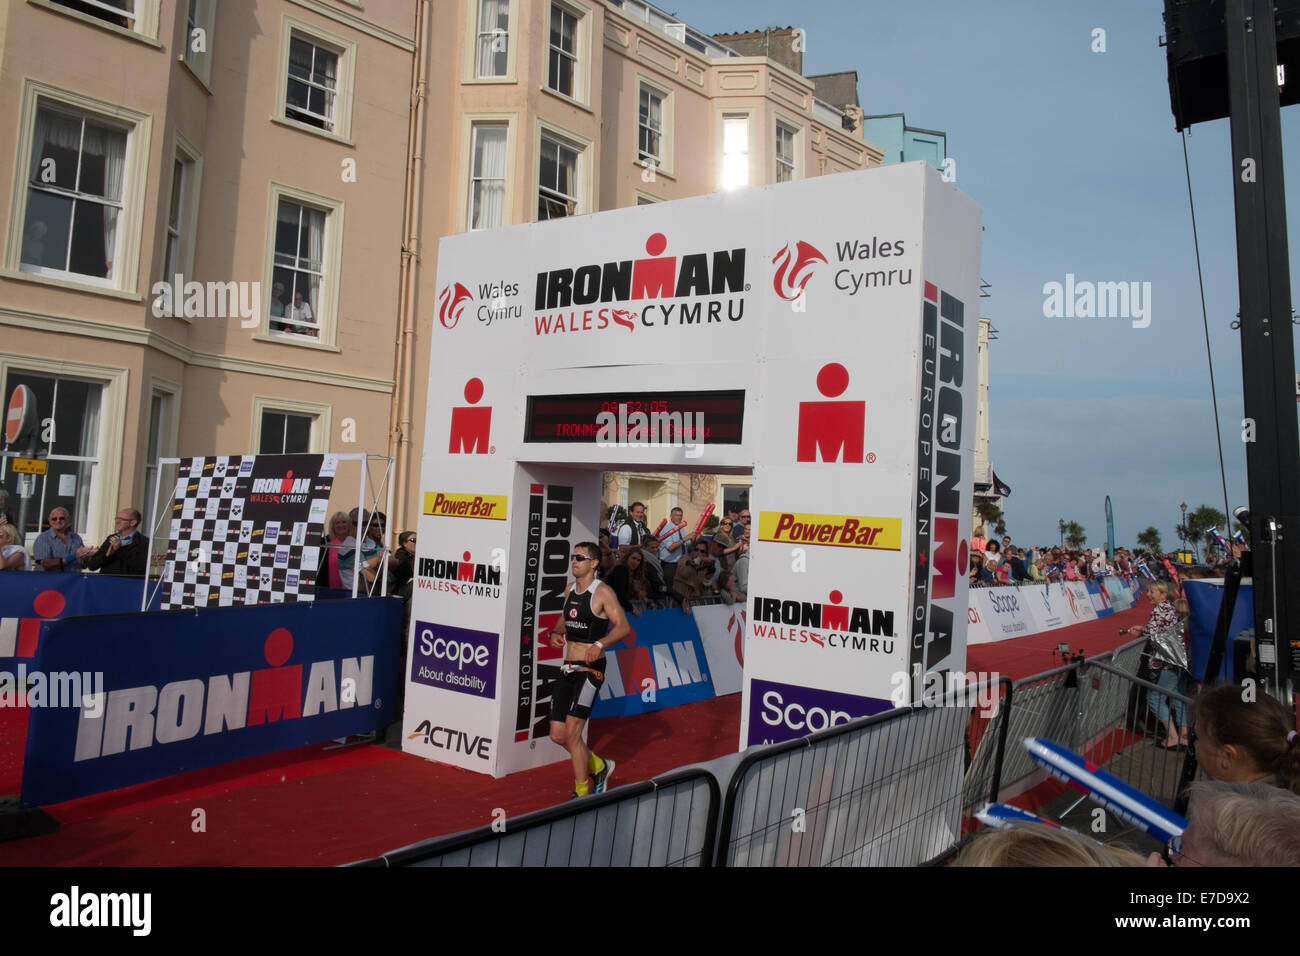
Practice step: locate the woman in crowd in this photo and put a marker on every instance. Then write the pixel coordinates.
(693, 572)
(1244, 741)
(979, 574)
(729, 590)
(13, 556)
(729, 545)
(401, 567)
(630, 571)
(1164, 631)
(327, 574)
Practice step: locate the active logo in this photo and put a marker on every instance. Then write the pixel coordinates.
(833, 625)
(780, 712)
(794, 267)
(463, 577)
(455, 658)
(447, 504)
(690, 277)
(836, 531)
(451, 304)
(471, 427)
(457, 741)
(181, 710)
(829, 430)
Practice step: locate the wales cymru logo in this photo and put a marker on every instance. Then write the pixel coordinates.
(451, 304)
(794, 267)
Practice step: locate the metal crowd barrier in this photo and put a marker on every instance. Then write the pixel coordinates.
(878, 791)
(1097, 707)
(669, 821)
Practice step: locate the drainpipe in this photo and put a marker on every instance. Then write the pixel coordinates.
(399, 439)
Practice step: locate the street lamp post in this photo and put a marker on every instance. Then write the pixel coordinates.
(1182, 528)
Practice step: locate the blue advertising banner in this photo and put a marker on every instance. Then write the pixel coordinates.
(1100, 599)
(779, 712)
(28, 599)
(1203, 600)
(666, 666)
(162, 693)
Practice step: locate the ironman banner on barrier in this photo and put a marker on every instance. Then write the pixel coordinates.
(816, 335)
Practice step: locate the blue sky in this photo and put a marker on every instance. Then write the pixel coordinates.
(1073, 158)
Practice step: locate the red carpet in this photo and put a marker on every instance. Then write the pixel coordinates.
(312, 807)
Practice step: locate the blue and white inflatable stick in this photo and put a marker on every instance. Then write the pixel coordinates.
(1125, 802)
(1004, 815)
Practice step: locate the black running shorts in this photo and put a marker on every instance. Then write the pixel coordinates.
(575, 692)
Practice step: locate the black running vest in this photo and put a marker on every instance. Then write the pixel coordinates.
(581, 623)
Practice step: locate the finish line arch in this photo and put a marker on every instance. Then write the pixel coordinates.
(821, 329)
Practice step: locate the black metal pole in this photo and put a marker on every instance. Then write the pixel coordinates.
(1267, 357)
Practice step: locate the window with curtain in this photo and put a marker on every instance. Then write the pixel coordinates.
(650, 127)
(74, 196)
(784, 153)
(120, 13)
(284, 433)
(563, 65)
(735, 151)
(298, 270)
(493, 38)
(488, 176)
(313, 83)
(557, 191)
(70, 444)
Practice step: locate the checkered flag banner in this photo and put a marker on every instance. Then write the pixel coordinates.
(246, 529)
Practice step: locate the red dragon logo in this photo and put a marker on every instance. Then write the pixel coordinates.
(451, 304)
(789, 280)
(624, 318)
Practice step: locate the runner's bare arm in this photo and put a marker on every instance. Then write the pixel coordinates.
(605, 601)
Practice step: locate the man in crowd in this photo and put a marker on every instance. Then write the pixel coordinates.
(125, 551)
(633, 531)
(57, 549)
(671, 548)
(371, 553)
(592, 620)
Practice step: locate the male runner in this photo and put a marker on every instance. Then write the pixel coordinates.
(590, 607)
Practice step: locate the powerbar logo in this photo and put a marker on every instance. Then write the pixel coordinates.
(459, 577)
(546, 573)
(451, 505)
(825, 625)
(657, 276)
(839, 531)
(938, 544)
(139, 717)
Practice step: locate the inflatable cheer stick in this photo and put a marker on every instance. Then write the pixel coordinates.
(1128, 803)
(1004, 815)
(670, 532)
(660, 528)
(704, 519)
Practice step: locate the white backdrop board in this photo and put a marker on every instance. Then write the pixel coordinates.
(822, 329)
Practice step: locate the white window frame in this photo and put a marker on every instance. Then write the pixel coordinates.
(471, 123)
(199, 64)
(581, 93)
(582, 173)
(326, 309)
(169, 427)
(145, 16)
(113, 416)
(320, 414)
(666, 139)
(191, 161)
(475, 31)
(796, 138)
(723, 116)
(345, 50)
(125, 281)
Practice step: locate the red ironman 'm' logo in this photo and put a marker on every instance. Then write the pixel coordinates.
(451, 304)
(791, 277)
